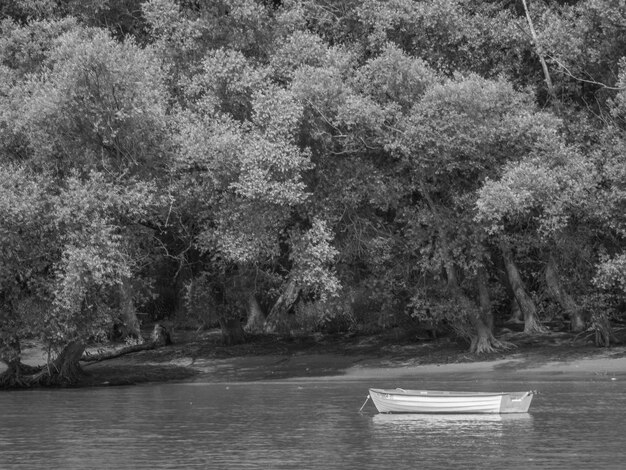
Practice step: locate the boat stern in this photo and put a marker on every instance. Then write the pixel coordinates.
(516, 402)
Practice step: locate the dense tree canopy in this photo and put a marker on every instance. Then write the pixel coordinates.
(309, 165)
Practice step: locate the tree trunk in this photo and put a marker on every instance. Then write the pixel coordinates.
(129, 313)
(10, 354)
(477, 328)
(542, 60)
(256, 319)
(183, 276)
(484, 299)
(484, 341)
(480, 333)
(160, 336)
(232, 331)
(276, 321)
(526, 304)
(10, 350)
(602, 328)
(565, 300)
(65, 369)
(516, 312)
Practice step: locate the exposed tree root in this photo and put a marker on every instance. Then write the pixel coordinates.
(533, 327)
(601, 330)
(486, 345)
(482, 340)
(65, 370)
(18, 376)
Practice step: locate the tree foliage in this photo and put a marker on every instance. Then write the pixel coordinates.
(395, 160)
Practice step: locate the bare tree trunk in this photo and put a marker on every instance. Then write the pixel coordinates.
(542, 60)
(256, 319)
(526, 304)
(565, 300)
(276, 321)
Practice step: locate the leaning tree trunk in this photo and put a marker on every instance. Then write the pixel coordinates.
(256, 319)
(526, 304)
(565, 300)
(277, 321)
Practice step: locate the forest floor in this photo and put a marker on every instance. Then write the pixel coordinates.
(200, 356)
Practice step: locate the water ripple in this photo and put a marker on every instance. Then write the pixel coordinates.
(283, 425)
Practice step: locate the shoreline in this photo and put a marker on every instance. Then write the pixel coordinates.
(404, 362)
(203, 359)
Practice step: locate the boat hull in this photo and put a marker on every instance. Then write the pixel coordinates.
(425, 401)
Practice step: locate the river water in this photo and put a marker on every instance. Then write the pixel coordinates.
(312, 424)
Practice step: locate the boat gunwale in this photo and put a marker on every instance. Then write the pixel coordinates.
(441, 393)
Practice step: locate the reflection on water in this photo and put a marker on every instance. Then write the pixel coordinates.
(308, 425)
(428, 422)
(416, 421)
(464, 439)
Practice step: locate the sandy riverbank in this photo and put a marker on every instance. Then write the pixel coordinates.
(549, 356)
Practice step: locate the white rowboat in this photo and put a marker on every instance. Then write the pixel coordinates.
(425, 401)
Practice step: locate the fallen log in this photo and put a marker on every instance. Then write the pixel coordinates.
(159, 337)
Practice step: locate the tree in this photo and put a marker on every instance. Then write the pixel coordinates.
(97, 104)
(80, 273)
(238, 165)
(29, 248)
(546, 193)
(461, 132)
(88, 120)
